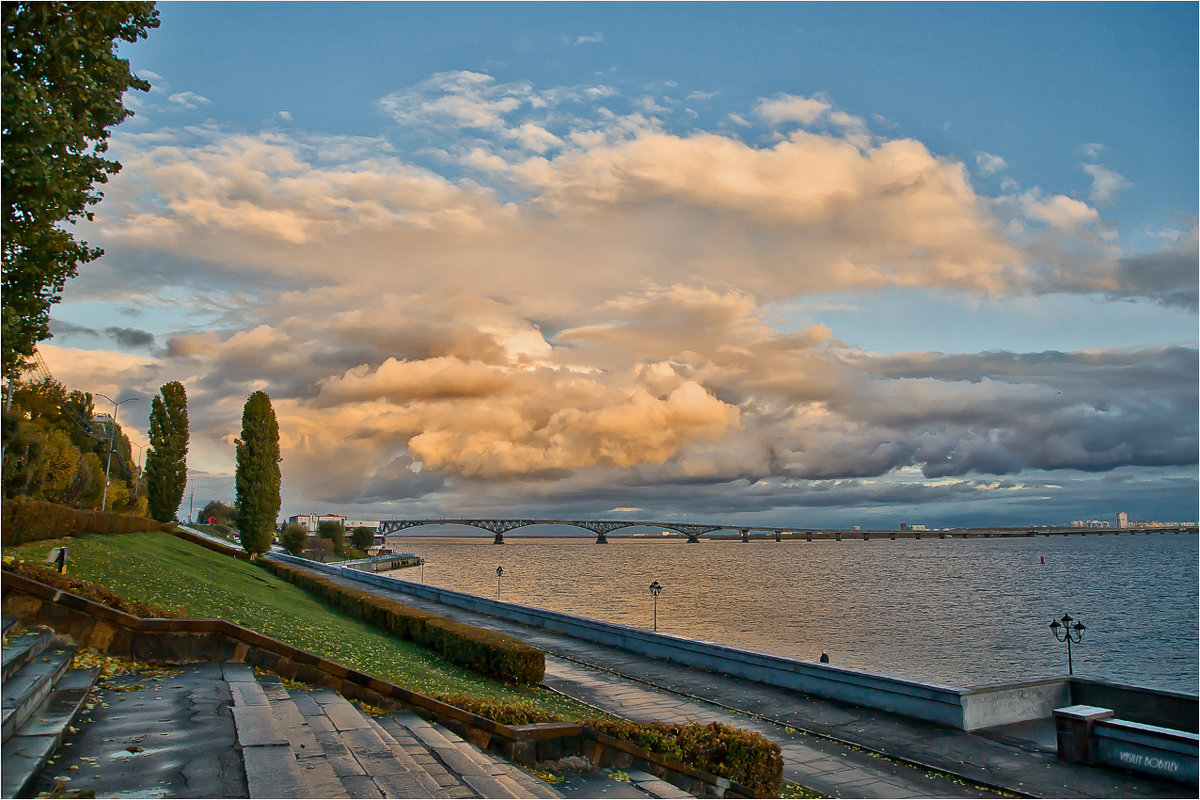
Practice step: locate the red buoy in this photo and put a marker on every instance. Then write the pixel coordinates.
(1043, 559)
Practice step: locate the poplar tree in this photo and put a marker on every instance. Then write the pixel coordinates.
(257, 477)
(166, 460)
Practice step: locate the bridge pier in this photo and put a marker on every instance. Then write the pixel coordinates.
(866, 536)
(837, 537)
(601, 538)
(499, 539)
(808, 536)
(917, 534)
(892, 534)
(692, 538)
(778, 536)
(745, 535)
(941, 536)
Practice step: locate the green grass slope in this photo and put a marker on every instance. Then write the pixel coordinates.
(171, 573)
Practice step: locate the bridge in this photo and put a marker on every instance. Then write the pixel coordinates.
(693, 531)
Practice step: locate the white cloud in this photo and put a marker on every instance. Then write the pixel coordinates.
(792, 108)
(989, 164)
(189, 100)
(1105, 183)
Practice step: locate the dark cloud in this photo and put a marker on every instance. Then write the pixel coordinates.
(131, 337)
(59, 327)
(1169, 277)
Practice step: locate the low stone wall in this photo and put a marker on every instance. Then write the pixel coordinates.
(1138, 704)
(986, 706)
(1164, 752)
(181, 641)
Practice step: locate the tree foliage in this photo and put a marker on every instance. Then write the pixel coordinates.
(166, 461)
(363, 537)
(62, 86)
(293, 538)
(257, 475)
(335, 532)
(53, 449)
(223, 513)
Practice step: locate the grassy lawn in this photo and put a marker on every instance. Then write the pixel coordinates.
(171, 573)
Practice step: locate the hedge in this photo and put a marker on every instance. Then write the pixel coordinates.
(86, 589)
(26, 520)
(743, 756)
(486, 652)
(505, 712)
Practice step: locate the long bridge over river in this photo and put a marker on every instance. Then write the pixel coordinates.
(693, 531)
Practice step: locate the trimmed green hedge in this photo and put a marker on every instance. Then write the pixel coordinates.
(26, 520)
(486, 652)
(743, 756)
(506, 713)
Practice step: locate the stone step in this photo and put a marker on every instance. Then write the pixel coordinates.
(308, 752)
(21, 649)
(32, 683)
(427, 784)
(271, 771)
(9, 623)
(485, 774)
(26, 752)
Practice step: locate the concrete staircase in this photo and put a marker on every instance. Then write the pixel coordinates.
(312, 742)
(42, 696)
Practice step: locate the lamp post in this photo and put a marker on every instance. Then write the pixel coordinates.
(499, 573)
(656, 589)
(112, 432)
(1064, 631)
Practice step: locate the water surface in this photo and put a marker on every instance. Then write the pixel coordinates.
(961, 611)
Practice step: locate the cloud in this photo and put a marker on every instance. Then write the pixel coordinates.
(189, 100)
(561, 292)
(576, 41)
(131, 338)
(989, 164)
(792, 108)
(286, 116)
(1105, 183)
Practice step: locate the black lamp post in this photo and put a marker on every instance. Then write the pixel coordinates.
(1064, 631)
(499, 573)
(655, 589)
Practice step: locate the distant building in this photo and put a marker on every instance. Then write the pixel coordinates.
(351, 524)
(311, 521)
(912, 526)
(1122, 519)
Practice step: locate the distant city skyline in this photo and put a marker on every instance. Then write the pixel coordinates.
(826, 263)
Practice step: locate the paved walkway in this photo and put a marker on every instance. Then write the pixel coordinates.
(834, 748)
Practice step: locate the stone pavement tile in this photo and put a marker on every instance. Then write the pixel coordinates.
(361, 786)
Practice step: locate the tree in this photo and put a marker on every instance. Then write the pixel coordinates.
(335, 532)
(223, 513)
(257, 477)
(62, 86)
(293, 538)
(166, 460)
(363, 537)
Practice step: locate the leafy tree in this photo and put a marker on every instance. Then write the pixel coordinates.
(257, 477)
(363, 537)
(223, 513)
(166, 460)
(335, 532)
(293, 538)
(62, 86)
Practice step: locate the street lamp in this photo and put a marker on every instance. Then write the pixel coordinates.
(111, 433)
(499, 573)
(138, 482)
(656, 589)
(1069, 633)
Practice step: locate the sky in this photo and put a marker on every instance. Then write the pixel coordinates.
(811, 264)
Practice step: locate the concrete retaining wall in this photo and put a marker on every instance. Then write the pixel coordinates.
(1137, 704)
(1147, 748)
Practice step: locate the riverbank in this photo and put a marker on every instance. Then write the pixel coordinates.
(1018, 759)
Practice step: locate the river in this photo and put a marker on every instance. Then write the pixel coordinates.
(966, 612)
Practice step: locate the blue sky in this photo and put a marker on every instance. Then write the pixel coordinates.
(677, 258)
